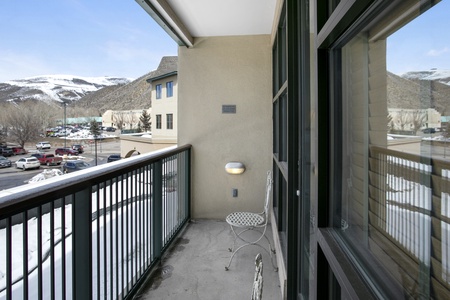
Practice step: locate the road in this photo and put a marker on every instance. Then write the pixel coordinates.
(12, 177)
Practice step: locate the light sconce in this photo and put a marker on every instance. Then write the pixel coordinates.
(235, 167)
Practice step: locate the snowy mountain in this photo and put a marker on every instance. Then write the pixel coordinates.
(55, 87)
(442, 76)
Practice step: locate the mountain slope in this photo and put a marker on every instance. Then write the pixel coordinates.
(134, 95)
(57, 88)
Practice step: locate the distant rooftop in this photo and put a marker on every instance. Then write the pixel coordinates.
(167, 67)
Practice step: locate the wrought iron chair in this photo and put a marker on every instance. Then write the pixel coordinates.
(252, 221)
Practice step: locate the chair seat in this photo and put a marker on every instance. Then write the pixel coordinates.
(244, 219)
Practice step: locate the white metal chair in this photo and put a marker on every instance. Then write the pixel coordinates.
(252, 221)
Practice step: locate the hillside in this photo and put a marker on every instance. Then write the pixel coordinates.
(419, 90)
(134, 95)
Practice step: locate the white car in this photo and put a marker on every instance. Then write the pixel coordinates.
(43, 145)
(28, 163)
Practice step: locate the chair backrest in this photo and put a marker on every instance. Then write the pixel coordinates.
(268, 194)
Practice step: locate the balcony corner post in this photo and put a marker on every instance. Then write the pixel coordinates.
(157, 209)
(82, 245)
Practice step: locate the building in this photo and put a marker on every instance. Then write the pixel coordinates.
(164, 113)
(300, 87)
(122, 119)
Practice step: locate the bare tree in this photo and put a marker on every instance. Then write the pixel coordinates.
(119, 119)
(131, 119)
(402, 119)
(418, 119)
(23, 123)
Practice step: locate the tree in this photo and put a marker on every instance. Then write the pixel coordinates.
(94, 129)
(402, 119)
(145, 120)
(418, 119)
(119, 119)
(23, 123)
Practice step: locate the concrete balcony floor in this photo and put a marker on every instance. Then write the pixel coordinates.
(194, 268)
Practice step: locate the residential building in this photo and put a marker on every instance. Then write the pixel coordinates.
(300, 88)
(164, 116)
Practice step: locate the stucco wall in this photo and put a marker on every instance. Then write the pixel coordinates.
(221, 71)
(141, 145)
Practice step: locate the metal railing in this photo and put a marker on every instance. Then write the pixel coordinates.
(96, 233)
(410, 219)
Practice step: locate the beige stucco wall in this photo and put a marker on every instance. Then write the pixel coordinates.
(165, 105)
(221, 71)
(140, 144)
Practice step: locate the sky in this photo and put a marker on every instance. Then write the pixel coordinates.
(118, 38)
(79, 37)
(422, 44)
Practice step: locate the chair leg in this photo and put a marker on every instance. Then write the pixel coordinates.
(248, 243)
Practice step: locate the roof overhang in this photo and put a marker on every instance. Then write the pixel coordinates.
(183, 20)
(150, 80)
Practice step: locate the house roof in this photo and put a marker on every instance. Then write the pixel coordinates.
(183, 20)
(167, 67)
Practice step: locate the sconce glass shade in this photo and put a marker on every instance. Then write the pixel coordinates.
(235, 167)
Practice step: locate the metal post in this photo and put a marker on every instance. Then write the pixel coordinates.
(82, 245)
(157, 208)
(65, 125)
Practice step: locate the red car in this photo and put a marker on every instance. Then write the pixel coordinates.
(65, 151)
(18, 150)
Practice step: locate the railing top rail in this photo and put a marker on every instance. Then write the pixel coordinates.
(18, 198)
(436, 162)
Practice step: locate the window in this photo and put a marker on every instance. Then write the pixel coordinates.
(390, 193)
(158, 89)
(158, 121)
(169, 89)
(169, 119)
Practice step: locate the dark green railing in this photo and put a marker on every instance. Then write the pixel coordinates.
(96, 233)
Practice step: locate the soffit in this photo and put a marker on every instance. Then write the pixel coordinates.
(225, 18)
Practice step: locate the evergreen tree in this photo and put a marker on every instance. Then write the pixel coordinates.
(145, 120)
(95, 129)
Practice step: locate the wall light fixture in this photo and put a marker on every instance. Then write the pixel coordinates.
(235, 167)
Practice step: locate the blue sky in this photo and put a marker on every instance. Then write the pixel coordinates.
(118, 38)
(422, 44)
(79, 37)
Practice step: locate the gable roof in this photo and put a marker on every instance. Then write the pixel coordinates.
(167, 67)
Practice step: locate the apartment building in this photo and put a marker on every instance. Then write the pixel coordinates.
(164, 93)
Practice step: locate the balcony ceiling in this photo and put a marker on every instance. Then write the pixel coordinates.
(200, 18)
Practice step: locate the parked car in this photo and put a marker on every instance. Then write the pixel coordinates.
(48, 159)
(26, 163)
(429, 130)
(18, 150)
(75, 165)
(65, 151)
(113, 157)
(110, 129)
(4, 162)
(43, 145)
(5, 151)
(79, 148)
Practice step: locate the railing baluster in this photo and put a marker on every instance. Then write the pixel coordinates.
(39, 250)
(8, 259)
(25, 253)
(133, 227)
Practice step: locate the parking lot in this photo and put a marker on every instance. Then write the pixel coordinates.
(12, 177)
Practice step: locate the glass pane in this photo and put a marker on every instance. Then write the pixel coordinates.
(393, 213)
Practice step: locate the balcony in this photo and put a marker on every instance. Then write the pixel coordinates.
(99, 234)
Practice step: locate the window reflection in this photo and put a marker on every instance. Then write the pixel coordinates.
(395, 187)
